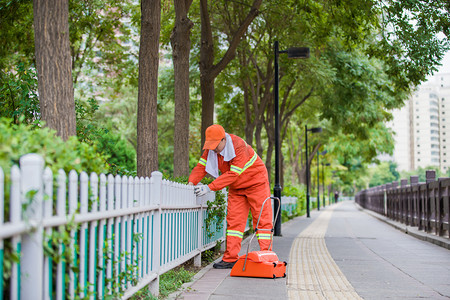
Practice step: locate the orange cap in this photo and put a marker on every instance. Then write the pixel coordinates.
(213, 135)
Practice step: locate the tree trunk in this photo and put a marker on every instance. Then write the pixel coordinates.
(206, 64)
(181, 45)
(209, 71)
(147, 125)
(54, 66)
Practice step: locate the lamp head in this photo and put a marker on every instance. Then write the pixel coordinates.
(316, 129)
(298, 52)
(323, 152)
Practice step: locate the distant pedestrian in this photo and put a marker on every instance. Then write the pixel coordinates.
(336, 196)
(243, 171)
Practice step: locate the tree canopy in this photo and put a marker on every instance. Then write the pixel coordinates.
(366, 57)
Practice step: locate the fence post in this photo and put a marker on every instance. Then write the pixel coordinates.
(403, 197)
(414, 204)
(430, 176)
(32, 257)
(439, 226)
(155, 196)
(47, 213)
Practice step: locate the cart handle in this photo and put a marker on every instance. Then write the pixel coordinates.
(257, 223)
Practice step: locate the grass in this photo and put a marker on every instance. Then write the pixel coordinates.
(171, 281)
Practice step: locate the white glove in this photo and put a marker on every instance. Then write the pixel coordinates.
(201, 190)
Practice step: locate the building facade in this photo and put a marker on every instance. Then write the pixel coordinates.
(422, 127)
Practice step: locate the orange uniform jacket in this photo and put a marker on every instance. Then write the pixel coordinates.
(246, 169)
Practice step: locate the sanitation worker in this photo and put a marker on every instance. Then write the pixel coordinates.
(235, 164)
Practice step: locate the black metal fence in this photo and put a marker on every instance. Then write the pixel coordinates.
(423, 205)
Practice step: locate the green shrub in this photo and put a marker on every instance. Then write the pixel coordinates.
(18, 94)
(121, 156)
(17, 140)
(298, 191)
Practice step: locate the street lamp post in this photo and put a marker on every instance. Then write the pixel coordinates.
(318, 179)
(323, 182)
(302, 52)
(313, 130)
(318, 182)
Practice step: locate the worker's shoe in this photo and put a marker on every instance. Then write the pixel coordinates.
(224, 265)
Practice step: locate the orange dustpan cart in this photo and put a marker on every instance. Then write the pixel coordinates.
(260, 263)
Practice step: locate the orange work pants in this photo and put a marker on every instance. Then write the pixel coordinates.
(240, 201)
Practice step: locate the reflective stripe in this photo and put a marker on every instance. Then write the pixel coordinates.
(238, 170)
(263, 236)
(202, 161)
(235, 233)
(250, 162)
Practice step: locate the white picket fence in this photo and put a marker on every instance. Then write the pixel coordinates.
(90, 236)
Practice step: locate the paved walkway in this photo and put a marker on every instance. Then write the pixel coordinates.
(341, 252)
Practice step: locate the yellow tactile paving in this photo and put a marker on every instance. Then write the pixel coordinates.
(312, 272)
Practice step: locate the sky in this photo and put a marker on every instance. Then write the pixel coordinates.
(445, 68)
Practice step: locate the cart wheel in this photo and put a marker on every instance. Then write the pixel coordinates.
(284, 275)
(285, 263)
(273, 276)
(275, 265)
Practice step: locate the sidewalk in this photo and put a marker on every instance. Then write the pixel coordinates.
(346, 253)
